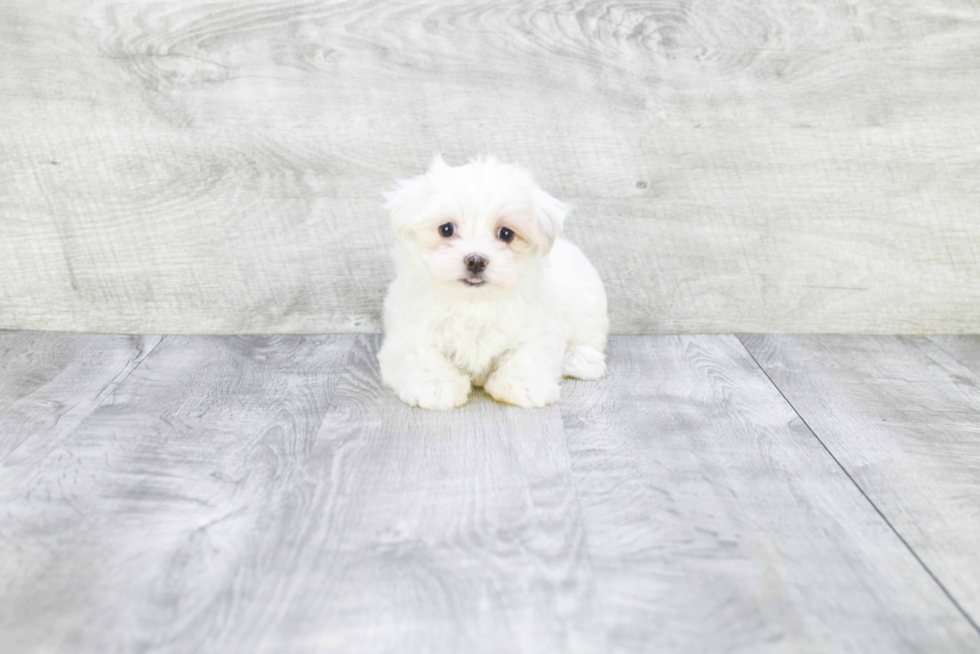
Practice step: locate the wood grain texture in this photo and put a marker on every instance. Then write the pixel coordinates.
(717, 522)
(446, 531)
(245, 494)
(50, 382)
(903, 418)
(156, 522)
(217, 167)
(266, 494)
(964, 349)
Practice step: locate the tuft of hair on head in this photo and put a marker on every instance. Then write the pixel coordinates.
(437, 163)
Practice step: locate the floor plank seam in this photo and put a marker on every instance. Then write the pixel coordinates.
(100, 397)
(116, 382)
(953, 366)
(344, 367)
(939, 347)
(922, 563)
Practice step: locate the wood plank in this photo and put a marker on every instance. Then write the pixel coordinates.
(238, 494)
(965, 349)
(905, 423)
(138, 530)
(715, 520)
(449, 531)
(217, 167)
(50, 382)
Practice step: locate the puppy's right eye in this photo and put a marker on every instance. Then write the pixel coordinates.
(447, 230)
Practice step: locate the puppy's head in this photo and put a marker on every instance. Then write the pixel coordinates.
(483, 224)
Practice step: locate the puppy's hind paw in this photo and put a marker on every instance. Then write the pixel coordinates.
(584, 362)
(436, 393)
(523, 392)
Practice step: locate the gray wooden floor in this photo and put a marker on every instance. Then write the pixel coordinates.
(713, 493)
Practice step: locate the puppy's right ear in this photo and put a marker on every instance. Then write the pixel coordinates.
(406, 202)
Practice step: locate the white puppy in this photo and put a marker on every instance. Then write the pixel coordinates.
(485, 292)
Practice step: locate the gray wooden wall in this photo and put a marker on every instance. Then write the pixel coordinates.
(750, 165)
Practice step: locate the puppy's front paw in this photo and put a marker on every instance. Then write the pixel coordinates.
(526, 392)
(437, 393)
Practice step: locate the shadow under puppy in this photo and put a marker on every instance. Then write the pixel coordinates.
(485, 292)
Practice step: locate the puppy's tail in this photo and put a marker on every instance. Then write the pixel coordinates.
(584, 362)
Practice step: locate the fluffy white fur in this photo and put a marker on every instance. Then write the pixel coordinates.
(535, 313)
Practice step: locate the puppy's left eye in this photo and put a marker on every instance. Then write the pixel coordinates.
(447, 230)
(505, 234)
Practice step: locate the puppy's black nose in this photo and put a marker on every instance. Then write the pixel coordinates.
(476, 263)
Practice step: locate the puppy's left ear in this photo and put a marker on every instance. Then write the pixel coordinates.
(549, 215)
(406, 202)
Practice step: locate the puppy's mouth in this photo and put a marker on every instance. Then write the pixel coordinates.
(473, 281)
